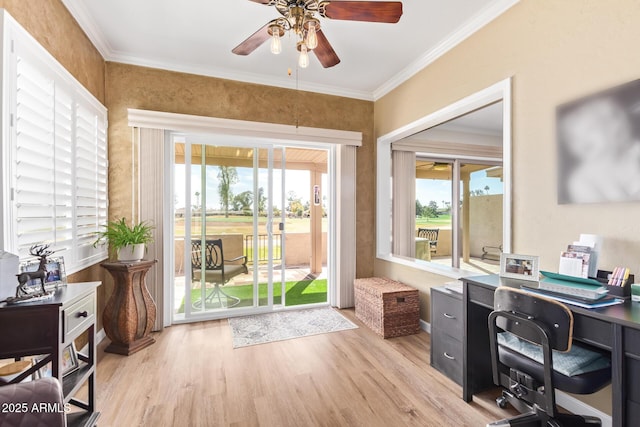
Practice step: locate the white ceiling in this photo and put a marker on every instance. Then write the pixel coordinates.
(480, 127)
(485, 121)
(197, 37)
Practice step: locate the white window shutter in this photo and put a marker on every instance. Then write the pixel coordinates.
(35, 157)
(56, 156)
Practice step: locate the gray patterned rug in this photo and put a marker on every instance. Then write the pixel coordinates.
(285, 325)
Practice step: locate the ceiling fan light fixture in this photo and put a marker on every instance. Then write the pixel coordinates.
(303, 60)
(276, 44)
(312, 38)
(303, 18)
(296, 19)
(276, 32)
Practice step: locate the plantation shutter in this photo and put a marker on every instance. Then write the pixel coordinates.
(90, 179)
(55, 156)
(63, 240)
(35, 157)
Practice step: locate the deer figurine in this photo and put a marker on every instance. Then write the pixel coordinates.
(41, 252)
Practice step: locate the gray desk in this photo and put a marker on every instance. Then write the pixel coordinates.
(615, 329)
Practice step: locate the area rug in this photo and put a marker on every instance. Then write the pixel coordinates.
(286, 325)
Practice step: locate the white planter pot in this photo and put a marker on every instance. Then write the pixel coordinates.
(131, 253)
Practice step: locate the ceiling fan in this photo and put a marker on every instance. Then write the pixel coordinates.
(302, 17)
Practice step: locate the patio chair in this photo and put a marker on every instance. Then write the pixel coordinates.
(430, 234)
(217, 270)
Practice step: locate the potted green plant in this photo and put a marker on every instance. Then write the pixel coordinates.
(128, 243)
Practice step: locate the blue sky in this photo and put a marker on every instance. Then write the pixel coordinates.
(440, 190)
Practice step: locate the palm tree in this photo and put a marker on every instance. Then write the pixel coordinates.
(228, 175)
(486, 188)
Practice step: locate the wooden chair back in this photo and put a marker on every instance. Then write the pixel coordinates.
(552, 316)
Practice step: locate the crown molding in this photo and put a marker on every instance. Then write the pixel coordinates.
(488, 14)
(79, 11)
(97, 37)
(221, 73)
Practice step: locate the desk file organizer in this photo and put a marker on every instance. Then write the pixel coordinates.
(623, 291)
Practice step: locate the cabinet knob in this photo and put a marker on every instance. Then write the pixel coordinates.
(83, 314)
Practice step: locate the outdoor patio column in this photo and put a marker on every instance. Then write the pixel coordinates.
(466, 193)
(315, 211)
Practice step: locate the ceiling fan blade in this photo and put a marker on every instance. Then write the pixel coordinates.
(262, 1)
(368, 11)
(324, 52)
(253, 42)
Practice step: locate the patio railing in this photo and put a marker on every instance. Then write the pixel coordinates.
(261, 245)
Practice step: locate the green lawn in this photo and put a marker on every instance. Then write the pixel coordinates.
(442, 221)
(297, 293)
(243, 225)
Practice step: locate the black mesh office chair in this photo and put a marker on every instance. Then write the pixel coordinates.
(430, 234)
(525, 365)
(216, 270)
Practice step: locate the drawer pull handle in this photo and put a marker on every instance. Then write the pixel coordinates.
(449, 316)
(82, 314)
(448, 356)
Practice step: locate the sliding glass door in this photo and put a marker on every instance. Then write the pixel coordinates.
(233, 207)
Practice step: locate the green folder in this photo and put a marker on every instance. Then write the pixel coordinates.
(574, 280)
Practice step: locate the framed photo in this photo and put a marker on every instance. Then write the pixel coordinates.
(45, 371)
(56, 275)
(523, 267)
(69, 361)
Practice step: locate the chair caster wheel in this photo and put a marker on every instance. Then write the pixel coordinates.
(501, 402)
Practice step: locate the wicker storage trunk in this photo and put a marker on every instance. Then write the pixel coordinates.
(389, 308)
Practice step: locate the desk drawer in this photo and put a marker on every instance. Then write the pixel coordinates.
(480, 295)
(446, 312)
(632, 371)
(446, 355)
(78, 316)
(632, 341)
(633, 413)
(592, 331)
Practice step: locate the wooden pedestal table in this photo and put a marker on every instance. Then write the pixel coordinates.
(130, 312)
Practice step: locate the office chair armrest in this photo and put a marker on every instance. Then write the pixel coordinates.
(243, 257)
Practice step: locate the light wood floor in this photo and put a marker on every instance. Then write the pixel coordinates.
(193, 377)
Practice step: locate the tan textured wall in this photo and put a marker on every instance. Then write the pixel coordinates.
(49, 22)
(152, 89)
(556, 51)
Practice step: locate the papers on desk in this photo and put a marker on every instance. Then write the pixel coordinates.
(604, 302)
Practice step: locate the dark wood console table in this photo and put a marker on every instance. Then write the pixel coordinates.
(130, 312)
(47, 328)
(615, 329)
